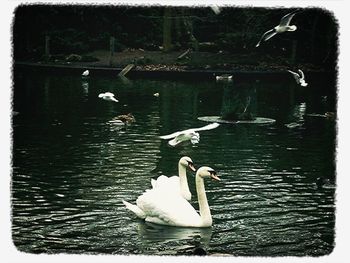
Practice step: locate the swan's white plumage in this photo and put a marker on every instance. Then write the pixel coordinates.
(173, 182)
(162, 207)
(134, 208)
(176, 184)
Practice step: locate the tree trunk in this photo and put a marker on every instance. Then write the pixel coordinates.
(167, 29)
(47, 47)
(111, 50)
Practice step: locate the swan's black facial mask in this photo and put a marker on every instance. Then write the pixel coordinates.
(213, 175)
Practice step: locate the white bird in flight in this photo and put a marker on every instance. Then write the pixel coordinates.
(282, 27)
(188, 135)
(215, 9)
(108, 96)
(85, 73)
(299, 77)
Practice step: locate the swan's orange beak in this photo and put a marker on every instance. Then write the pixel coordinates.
(215, 177)
(192, 167)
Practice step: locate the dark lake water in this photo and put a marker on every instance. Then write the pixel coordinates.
(72, 168)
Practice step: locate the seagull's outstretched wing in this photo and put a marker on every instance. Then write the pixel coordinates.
(287, 18)
(206, 127)
(266, 36)
(170, 136)
(301, 73)
(189, 131)
(295, 75)
(180, 138)
(109, 94)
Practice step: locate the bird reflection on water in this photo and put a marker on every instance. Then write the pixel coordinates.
(194, 237)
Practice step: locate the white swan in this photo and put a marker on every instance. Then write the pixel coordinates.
(299, 77)
(176, 184)
(282, 27)
(172, 209)
(108, 96)
(85, 73)
(188, 135)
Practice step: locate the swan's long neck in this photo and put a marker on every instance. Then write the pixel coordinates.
(185, 191)
(204, 209)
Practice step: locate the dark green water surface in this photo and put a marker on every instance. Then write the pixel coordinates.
(71, 168)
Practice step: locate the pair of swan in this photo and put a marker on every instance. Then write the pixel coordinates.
(167, 202)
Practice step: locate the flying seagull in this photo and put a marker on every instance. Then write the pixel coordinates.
(282, 27)
(215, 9)
(188, 135)
(108, 96)
(299, 77)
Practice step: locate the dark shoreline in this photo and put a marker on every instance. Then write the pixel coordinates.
(188, 73)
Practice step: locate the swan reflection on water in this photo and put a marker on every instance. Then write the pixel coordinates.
(194, 236)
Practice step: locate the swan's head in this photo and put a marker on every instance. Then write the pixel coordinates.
(207, 172)
(187, 162)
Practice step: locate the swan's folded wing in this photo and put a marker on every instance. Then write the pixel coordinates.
(207, 127)
(171, 184)
(169, 208)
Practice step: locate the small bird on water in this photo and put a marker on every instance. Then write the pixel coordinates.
(85, 73)
(126, 118)
(109, 96)
(226, 77)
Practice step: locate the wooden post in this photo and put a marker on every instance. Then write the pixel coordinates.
(125, 70)
(111, 50)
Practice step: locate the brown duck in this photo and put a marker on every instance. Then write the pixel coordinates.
(126, 118)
